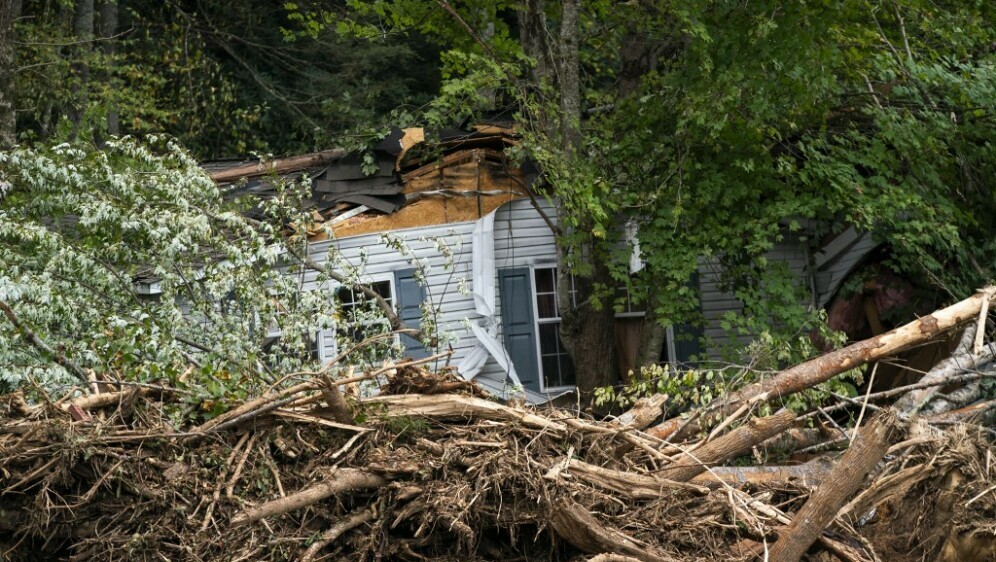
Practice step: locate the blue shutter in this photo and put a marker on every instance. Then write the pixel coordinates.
(688, 337)
(409, 299)
(519, 324)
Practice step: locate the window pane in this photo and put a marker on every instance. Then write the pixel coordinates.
(551, 371)
(548, 339)
(566, 371)
(545, 281)
(546, 306)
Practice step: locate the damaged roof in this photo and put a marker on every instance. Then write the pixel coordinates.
(403, 182)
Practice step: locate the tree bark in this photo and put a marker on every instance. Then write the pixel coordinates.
(823, 368)
(8, 124)
(586, 332)
(107, 28)
(83, 18)
(731, 445)
(343, 480)
(823, 504)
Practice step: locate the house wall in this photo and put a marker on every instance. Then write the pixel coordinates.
(522, 238)
(378, 261)
(793, 250)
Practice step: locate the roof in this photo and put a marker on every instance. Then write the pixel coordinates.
(403, 182)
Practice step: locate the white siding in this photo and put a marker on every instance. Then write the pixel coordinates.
(522, 239)
(381, 261)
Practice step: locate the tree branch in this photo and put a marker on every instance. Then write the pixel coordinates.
(40, 344)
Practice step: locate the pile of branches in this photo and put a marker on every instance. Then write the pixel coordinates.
(432, 469)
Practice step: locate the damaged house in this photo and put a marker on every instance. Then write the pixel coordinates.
(452, 229)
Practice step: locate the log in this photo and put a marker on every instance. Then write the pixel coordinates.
(643, 413)
(825, 502)
(631, 484)
(823, 368)
(342, 480)
(450, 406)
(808, 474)
(576, 525)
(336, 531)
(963, 360)
(95, 401)
(725, 447)
(277, 166)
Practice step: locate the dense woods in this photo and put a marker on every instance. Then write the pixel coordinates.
(157, 222)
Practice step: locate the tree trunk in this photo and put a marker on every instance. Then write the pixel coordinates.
(823, 504)
(587, 333)
(823, 368)
(533, 36)
(107, 28)
(83, 34)
(8, 128)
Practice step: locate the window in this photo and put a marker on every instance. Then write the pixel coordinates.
(361, 316)
(310, 347)
(556, 365)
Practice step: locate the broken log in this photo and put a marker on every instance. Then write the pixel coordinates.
(725, 447)
(825, 367)
(342, 480)
(826, 501)
(643, 413)
(576, 525)
(277, 166)
(449, 406)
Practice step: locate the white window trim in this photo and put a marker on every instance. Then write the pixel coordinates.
(536, 324)
(379, 278)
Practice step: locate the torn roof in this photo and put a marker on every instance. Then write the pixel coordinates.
(404, 182)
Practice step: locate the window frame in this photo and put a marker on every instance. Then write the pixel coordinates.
(374, 279)
(537, 322)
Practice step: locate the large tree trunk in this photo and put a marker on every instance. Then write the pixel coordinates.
(587, 333)
(8, 126)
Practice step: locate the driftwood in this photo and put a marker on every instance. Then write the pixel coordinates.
(342, 480)
(805, 475)
(825, 367)
(576, 525)
(431, 468)
(733, 444)
(634, 485)
(847, 476)
(449, 406)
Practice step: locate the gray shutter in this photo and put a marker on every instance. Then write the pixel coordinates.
(409, 298)
(519, 324)
(688, 337)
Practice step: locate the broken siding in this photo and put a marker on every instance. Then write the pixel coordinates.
(382, 261)
(522, 239)
(838, 258)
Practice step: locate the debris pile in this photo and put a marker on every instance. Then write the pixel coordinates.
(432, 469)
